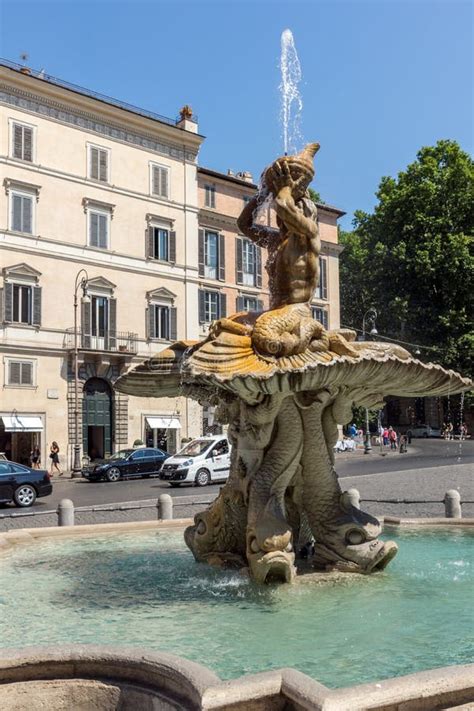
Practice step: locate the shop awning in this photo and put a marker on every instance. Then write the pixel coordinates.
(22, 423)
(163, 423)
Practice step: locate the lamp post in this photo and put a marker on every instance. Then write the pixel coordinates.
(367, 319)
(82, 279)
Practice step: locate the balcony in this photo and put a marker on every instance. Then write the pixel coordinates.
(124, 342)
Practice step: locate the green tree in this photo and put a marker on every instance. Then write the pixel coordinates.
(412, 258)
(315, 196)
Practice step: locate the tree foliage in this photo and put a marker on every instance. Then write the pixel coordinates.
(412, 258)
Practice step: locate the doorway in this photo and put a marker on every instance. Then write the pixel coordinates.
(97, 419)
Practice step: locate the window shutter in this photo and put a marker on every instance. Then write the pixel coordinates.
(222, 305)
(112, 332)
(14, 376)
(36, 306)
(201, 252)
(86, 324)
(155, 180)
(258, 266)
(239, 261)
(172, 247)
(259, 305)
(26, 373)
(323, 278)
(103, 156)
(8, 305)
(202, 307)
(151, 242)
(150, 321)
(27, 143)
(94, 163)
(17, 213)
(173, 324)
(163, 182)
(94, 229)
(221, 256)
(102, 231)
(27, 209)
(239, 303)
(17, 141)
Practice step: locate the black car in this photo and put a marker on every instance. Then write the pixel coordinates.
(127, 463)
(22, 485)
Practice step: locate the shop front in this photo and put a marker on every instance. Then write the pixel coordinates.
(19, 434)
(162, 431)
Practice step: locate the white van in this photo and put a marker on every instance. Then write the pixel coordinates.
(201, 462)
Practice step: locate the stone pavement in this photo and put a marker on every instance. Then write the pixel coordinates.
(429, 483)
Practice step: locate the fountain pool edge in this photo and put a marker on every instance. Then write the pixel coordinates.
(88, 671)
(123, 675)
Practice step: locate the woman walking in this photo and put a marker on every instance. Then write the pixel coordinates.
(54, 456)
(35, 457)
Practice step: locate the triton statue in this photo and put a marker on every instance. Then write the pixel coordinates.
(283, 383)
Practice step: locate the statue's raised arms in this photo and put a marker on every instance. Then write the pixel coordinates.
(293, 260)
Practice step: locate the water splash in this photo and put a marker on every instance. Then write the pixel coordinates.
(291, 100)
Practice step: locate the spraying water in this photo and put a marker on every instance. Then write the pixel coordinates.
(291, 101)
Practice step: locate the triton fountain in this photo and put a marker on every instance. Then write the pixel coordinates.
(283, 384)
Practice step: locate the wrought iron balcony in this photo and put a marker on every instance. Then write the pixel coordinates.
(111, 341)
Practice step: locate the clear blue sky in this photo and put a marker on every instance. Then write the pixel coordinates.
(381, 78)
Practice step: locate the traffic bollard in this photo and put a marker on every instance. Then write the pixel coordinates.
(165, 507)
(65, 513)
(452, 504)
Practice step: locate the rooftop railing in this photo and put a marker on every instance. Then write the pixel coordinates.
(41, 74)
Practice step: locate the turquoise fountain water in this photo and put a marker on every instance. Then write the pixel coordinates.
(146, 590)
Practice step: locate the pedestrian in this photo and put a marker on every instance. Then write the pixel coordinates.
(403, 443)
(463, 431)
(392, 435)
(54, 456)
(449, 431)
(35, 457)
(385, 436)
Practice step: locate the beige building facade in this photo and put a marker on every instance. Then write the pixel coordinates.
(105, 203)
(98, 191)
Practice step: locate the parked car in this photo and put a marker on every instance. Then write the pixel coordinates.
(127, 463)
(423, 431)
(200, 462)
(22, 485)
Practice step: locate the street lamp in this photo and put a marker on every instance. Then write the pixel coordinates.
(82, 280)
(368, 319)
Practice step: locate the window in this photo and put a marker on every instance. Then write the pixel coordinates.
(246, 199)
(100, 316)
(210, 195)
(320, 315)
(211, 255)
(22, 298)
(322, 289)
(22, 212)
(99, 164)
(162, 244)
(159, 180)
(249, 263)
(99, 229)
(20, 372)
(162, 322)
(22, 142)
(249, 303)
(212, 306)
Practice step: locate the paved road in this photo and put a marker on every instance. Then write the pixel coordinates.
(422, 454)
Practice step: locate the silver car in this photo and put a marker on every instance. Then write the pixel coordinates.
(424, 431)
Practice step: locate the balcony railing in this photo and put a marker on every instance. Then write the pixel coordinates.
(111, 342)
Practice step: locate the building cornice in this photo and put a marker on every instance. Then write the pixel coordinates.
(211, 218)
(86, 120)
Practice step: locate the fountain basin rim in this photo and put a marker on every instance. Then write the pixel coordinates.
(159, 674)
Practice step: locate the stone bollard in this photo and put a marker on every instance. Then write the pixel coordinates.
(452, 504)
(165, 507)
(353, 497)
(65, 513)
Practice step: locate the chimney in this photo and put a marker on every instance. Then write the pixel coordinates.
(230, 172)
(245, 175)
(187, 121)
